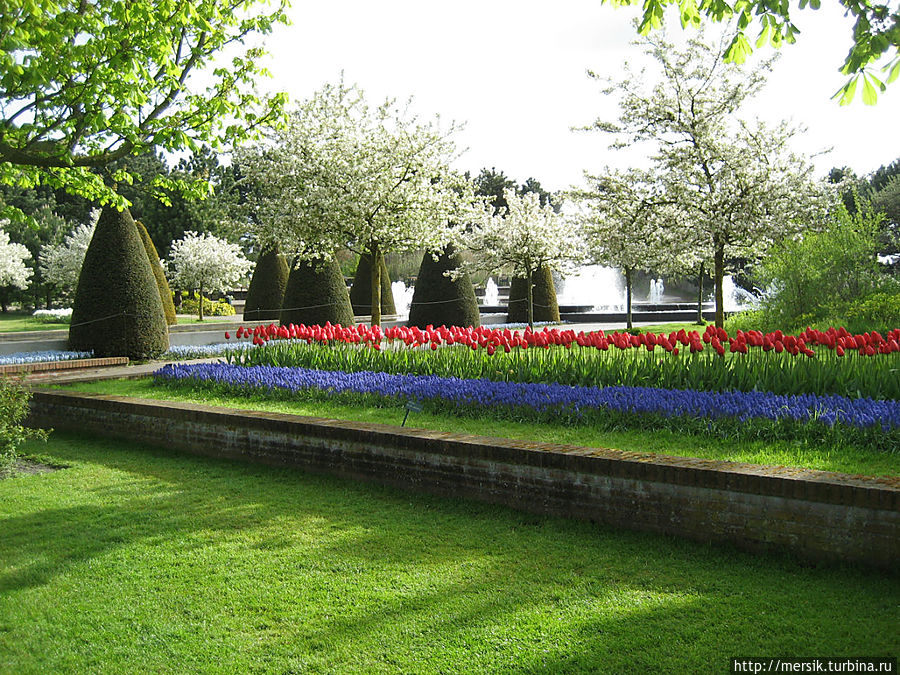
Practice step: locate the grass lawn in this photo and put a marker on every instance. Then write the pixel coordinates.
(17, 322)
(666, 328)
(848, 459)
(137, 559)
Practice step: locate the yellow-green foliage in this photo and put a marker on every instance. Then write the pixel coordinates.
(190, 305)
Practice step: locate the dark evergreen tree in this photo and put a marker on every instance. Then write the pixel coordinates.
(361, 290)
(117, 309)
(543, 298)
(439, 300)
(316, 293)
(266, 291)
(165, 292)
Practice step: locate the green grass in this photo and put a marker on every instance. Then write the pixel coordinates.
(17, 322)
(847, 459)
(137, 559)
(666, 328)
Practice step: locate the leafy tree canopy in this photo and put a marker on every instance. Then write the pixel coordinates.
(876, 33)
(84, 83)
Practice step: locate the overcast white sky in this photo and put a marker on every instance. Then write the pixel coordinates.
(515, 73)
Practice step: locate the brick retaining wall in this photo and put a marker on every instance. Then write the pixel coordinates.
(815, 514)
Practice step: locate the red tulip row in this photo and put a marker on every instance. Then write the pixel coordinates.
(491, 339)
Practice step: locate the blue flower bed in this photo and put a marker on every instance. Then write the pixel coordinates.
(554, 401)
(41, 357)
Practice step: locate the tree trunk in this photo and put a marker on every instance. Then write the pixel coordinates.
(376, 253)
(200, 306)
(700, 321)
(529, 298)
(720, 278)
(628, 324)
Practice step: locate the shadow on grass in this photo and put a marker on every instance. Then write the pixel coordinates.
(324, 572)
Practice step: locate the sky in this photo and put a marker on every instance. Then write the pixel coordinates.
(515, 74)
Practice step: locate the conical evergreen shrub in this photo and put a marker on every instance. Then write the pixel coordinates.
(117, 309)
(361, 290)
(546, 307)
(316, 293)
(266, 291)
(439, 300)
(165, 292)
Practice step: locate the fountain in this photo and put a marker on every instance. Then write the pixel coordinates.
(491, 293)
(735, 298)
(656, 291)
(402, 298)
(596, 287)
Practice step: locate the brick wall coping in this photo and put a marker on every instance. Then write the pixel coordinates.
(874, 492)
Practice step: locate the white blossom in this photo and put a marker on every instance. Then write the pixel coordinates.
(207, 263)
(523, 238)
(61, 263)
(342, 174)
(13, 271)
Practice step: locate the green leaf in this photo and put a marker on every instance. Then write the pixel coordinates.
(895, 72)
(847, 92)
(870, 95)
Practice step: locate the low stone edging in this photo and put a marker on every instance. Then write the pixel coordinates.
(69, 364)
(815, 514)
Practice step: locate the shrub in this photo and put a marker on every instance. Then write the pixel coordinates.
(439, 300)
(117, 309)
(190, 305)
(816, 277)
(14, 399)
(361, 291)
(266, 291)
(165, 293)
(543, 298)
(53, 315)
(879, 311)
(316, 294)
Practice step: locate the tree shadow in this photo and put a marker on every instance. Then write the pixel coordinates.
(450, 579)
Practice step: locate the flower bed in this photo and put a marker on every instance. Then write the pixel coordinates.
(830, 362)
(42, 356)
(737, 414)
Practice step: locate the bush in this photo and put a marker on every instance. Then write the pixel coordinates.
(361, 291)
(819, 276)
(117, 309)
(53, 315)
(439, 300)
(266, 291)
(190, 305)
(315, 294)
(14, 399)
(165, 292)
(880, 311)
(543, 298)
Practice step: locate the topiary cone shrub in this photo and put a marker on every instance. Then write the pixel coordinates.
(316, 293)
(361, 290)
(439, 300)
(546, 307)
(117, 309)
(165, 292)
(266, 291)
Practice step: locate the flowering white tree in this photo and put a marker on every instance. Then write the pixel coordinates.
(61, 263)
(738, 183)
(205, 262)
(625, 219)
(524, 237)
(344, 175)
(13, 271)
